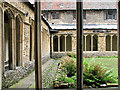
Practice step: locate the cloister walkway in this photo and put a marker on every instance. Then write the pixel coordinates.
(48, 70)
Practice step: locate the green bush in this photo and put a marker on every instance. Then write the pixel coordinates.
(93, 73)
(71, 54)
(68, 65)
(96, 74)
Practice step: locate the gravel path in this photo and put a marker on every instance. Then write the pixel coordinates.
(48, 74)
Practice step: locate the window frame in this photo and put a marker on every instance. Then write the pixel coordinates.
(110, 14)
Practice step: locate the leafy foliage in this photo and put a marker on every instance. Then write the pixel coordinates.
(94, 74)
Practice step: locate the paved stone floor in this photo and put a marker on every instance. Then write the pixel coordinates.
(29, 81)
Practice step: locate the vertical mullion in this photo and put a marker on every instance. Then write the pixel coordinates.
(119, 44)
(38, 59)
(79, 45)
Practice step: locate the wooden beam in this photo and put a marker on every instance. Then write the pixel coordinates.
(1, 60)
(79, 45)
(119, 44)
(38, 59)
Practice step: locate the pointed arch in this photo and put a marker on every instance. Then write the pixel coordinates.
(10, 13)
(20, 17)
(69, 43)
(19, 34)
(88, 43)
(108, 43)
(62, 43)
(114, 43)
(95, 43)
(55, 43)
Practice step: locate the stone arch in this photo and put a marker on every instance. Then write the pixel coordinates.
(95, 43)
(10, 13)
(83, 43)
(31, 41)
(19, 33)
(114, 43)
(20, 17)
(55, 43)
(108, 43)
(62, 43)
(8, 16)
(68, 43)
(88, 43)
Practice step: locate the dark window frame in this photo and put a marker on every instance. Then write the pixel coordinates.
(110, 14)
(55, 15)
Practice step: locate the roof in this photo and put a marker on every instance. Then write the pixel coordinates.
(85, 26)
(46, 22)
(72, 5)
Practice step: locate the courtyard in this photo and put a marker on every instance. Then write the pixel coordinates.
(66, 45)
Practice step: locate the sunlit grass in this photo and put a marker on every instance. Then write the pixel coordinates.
(109, 63)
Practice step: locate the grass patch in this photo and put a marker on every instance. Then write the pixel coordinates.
(110, 63)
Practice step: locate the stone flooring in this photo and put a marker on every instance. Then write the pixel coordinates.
(48, 71)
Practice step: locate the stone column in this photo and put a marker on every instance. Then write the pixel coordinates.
(65, 43)
(91, 42)
(58, 43)
(85, 42)
(21, 42)
(13, 45)
(111, 41)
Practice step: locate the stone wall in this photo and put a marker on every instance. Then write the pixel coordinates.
(26, 16)
(89, 54)
(13, 76)
(92, 17)
(101, 38)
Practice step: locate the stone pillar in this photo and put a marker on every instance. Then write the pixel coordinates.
(13, 44)
(65, 43)
(91, 42)
(21, 40)
(58, 43)
(52, 44)
(111, 41)
(85, 42)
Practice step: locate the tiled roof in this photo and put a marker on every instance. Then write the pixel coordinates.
(72, 5)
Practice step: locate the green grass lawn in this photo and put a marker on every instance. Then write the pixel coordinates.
(109, 63)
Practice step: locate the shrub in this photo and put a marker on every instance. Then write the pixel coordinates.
(96, 74)
(71, 54)
(93, 73)
(68, 65)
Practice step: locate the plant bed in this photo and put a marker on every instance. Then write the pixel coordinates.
(94, 75)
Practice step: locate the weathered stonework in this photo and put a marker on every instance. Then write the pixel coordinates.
(21, 23)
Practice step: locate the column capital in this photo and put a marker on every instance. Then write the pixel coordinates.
(65, 35)
(111, 35)
(58, 35)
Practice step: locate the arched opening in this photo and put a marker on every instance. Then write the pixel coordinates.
(69, 43)
(62, 43)
(55, 43)
(88, 43)
(114, 43)
(31, 41)
(95, 43)
(83, 43)
(108, 43)
(18, 40)
(8, 39)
